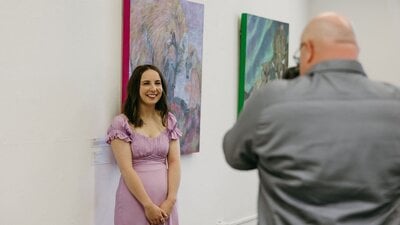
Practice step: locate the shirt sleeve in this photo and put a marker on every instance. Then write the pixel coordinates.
(173, 130)
(238, 141)
(119, 130)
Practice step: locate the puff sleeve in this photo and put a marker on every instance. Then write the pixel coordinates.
(119, 130)
(173, 131)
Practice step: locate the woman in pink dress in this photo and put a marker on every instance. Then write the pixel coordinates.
(145, 142)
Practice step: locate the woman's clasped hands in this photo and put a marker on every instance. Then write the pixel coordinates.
(155, 215)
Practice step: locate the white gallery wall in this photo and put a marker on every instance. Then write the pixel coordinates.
(211, 191)
(60, 69)
(377, 26)
(58, 63)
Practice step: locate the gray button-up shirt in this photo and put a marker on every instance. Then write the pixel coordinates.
(327, 148)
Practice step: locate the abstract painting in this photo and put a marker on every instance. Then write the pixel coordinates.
(169, 35)
(263, 53)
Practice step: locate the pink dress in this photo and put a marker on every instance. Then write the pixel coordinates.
(149, 162)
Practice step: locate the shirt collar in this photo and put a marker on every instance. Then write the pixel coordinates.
(347, 66)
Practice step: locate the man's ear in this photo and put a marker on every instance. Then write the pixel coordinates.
(310, 51)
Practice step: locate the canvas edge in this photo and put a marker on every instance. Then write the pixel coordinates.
(125, 49)
(242, 61)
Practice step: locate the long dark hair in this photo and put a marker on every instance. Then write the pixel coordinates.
(132, 102)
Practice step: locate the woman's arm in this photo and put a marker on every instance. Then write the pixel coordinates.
(123, 156)
(174, 175)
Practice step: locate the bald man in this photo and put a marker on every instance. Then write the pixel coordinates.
(326, 144)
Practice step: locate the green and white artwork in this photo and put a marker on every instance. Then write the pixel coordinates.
(263, 53)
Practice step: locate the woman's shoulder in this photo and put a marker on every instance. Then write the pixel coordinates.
(119, 129)
(120, 119)
(175, 132)
(171, 117)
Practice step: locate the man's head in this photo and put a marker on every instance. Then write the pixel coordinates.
(327, 36)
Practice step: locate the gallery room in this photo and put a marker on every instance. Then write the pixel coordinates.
(64, 68)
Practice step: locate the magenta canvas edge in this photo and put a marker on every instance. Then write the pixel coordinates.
(125, 48)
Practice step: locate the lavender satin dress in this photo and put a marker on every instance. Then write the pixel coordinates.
(149, 162)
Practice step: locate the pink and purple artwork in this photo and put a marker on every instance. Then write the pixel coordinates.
(169, 35)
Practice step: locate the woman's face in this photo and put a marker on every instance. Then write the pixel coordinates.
(150, 87)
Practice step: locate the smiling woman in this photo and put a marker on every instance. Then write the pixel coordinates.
(145, 143)
(151, 88)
